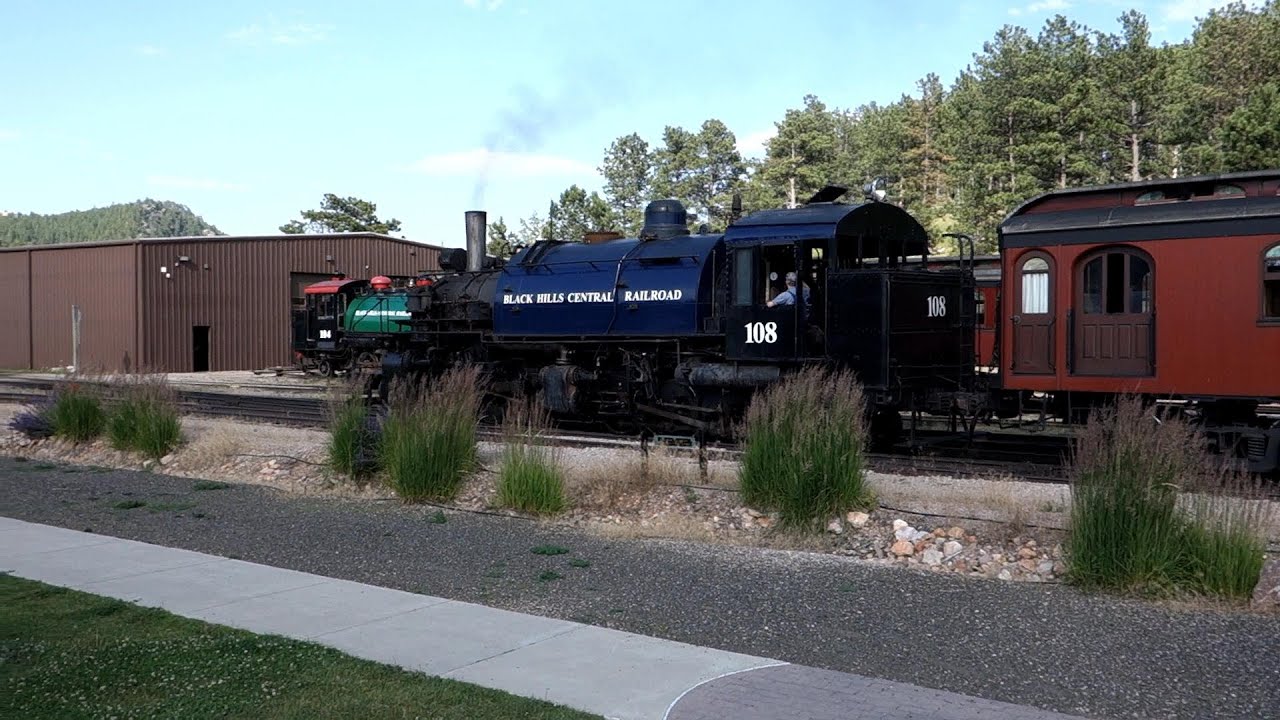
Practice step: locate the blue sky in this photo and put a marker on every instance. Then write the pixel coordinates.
(248, 112)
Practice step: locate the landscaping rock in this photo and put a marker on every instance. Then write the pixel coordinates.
(1005, 575)
(931, 556)
(857, 519)
(902, 548)
(899, 524)
(167, 459)
(1266, 594)
(1027, 553)
(906, 533)
(1045, 567)
(955, 533)
(951, 548)
(835, 526)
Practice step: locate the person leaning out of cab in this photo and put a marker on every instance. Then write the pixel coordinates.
(788, 296)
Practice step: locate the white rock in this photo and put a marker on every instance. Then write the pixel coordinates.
(754, 513)
(857, 519)
(907, 533)
(899, 524)
(1045, 567)
(835, 526)
(931, 557)
(952, 548)
(167, 459)
(1005, 575)
(919, 535)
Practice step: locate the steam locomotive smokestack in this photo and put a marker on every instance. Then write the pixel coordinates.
(476, 226)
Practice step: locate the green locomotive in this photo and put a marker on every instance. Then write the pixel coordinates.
(346, 324)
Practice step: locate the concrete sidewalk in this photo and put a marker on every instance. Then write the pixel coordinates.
(615, 674)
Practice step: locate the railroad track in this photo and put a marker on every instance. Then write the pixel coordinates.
(314, 412)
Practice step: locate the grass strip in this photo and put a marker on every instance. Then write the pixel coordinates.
(66, 654)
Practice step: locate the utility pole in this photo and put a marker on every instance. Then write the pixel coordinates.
(75, 338)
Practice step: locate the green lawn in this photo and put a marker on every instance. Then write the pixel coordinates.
(66, 654)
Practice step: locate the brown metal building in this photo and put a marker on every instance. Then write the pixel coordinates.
(179, 304)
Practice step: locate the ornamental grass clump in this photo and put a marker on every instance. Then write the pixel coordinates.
(76, 412)
(804, 441)
(1153, 513)
(353, 437)
(144, 416)
(530, 478)
(429, 434)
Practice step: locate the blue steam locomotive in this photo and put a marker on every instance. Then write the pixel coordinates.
(676, 330)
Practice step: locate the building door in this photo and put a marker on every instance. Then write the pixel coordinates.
(1113, 332)
(1033, 318)
(200, 348)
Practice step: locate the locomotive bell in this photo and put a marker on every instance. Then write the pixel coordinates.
(664, 219)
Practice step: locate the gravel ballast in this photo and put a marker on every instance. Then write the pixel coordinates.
(1044, 645)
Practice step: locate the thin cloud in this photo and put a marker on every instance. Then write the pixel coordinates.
(190, 183)
(6, 135)
(509, 164)
(1188, 10)
(1036, 8)
(149, 50)
(757, 142)
(489, 5)
(276, 33)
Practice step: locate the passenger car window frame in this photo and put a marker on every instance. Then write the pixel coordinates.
(1271, 251)
(1021, 267)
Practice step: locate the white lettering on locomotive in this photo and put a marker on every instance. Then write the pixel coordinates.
(553, 298)
(762, 332)
(651, 295)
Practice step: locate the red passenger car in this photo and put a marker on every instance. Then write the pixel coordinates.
(1168, 288)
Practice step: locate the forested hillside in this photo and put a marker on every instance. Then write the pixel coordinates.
(144, 218)
(1064, 107)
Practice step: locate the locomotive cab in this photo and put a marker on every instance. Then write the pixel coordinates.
(318, 326)
(864, 297)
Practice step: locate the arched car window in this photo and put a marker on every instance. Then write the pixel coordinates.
(1271, 283)
(1035, 286)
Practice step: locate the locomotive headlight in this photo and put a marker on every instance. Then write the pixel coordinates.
(876, 190)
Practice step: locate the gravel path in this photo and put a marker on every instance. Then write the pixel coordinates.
(1040, 645)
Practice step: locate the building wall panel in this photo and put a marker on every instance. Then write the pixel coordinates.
(240, 290)
(15, 298)
(99, 279)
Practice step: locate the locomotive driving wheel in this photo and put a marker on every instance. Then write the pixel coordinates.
(325, 367)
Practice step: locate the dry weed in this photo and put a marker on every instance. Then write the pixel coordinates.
(216, 446)
(605, 484)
